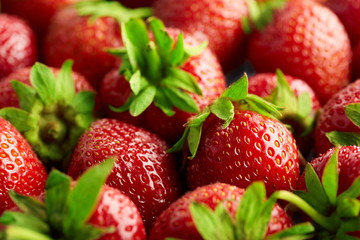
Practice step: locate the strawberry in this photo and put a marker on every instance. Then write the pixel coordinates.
(9, 98)
(176, 79)
(300, 103)
(17, 44)
(144, 171)
(73, 34)
(218, 21)
(20, 169)
(192, 216)
(336, 116)
(52, 115)
(348, 12)
(240, 142)
(37, 13)
(331, 198)
(305, 40)
(85, 209)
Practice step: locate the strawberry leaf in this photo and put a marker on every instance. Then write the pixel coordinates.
(348, 207)
(180, 143)
(65, 86)
(162, 38)
(142, 101)
(43, 81)
(25, 93)
(299, 231)
(23, 233)
(177, 54)
(285, 96)
(154, 64)
(238, 90)
(263, 107)
(56, 200)
(135, 82)
(352, 110)
(181, 79)
(352, 192)
(17, 117)
(181, 99)
(223, 109)
(304, 104)
(195, 51)
(83, 198)
(29, 205)
(84, 102)
(98, 9)
(194, 139)
(330, 177)
(90, 232)
(162, 102)
(343, 138)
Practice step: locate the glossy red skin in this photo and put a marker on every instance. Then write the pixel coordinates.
(20, 169)
(176, 221)
(9, 98)
(305, 40)
(114, 209)
(137, 3)
(144, 171)
(37, 13)
(115, 90)
(356, 62)
(263, 84)
(348, 12)
(17, 44)
(251, 148)
(348, 168)
(218, 21)
(333, 116)
(71, 36)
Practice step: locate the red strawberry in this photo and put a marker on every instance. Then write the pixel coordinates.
(218, 21)
(20, 169)
(85, 209)
(300, 103)
(48, 111)
(305, 40)
(37, 13)
(114, 209)
(8, 97)
(178, 81)
(144, 171)
(71, 36)
(334, 117)
(348, 12)
(231, 142)
(17, 44)
(178, 220)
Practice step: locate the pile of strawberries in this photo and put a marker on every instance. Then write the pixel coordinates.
(134, 122)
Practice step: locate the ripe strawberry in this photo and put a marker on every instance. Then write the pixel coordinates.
(238, 144)
(17, 44)
(300, 103)
(50, 114)
(8, 96)
(144, 171)
(184, 78)
(332, 182)
(305, 40)
(348, 12)
(192, 216)
(20, 169)
(218, 21)
(85, 209)
(37, 13)
(334, 116)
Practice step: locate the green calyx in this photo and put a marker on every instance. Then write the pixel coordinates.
(98, 9)
(335, 215)
(152, 68)
(51, 116)
(261, 14)
(64, 212)
(235, 97)
(251, 219)
(296, 109)
(338, 138)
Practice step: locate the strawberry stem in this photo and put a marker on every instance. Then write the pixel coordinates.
(326, 222)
